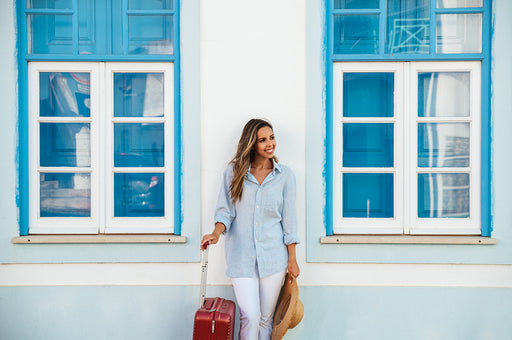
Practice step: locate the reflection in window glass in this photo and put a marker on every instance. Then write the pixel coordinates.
(50, 4)
(65, 195)
(50, 34)
(443, 145)
(368, 195)
(368, 94)
(443, 195)
(367, 145)
(151, 34)
(138, 94)
(356, 4)
(138, 145)
(459, 33)
(65, 144)
(408, 26)
(139, 195)
(444, 94)
(459, 3)
(64, 94)
(356, 34)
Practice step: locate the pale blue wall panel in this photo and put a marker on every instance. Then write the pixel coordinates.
(167, 312)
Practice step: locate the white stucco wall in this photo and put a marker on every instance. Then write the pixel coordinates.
(253, 64)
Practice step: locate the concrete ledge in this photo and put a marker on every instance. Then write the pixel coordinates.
(402, 239)
(39, 239)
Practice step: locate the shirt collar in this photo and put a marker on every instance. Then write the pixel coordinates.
(277, 167)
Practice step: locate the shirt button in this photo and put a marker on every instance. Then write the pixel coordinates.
(257, 206)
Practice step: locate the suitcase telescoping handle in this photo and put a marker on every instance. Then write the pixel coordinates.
(204, 272)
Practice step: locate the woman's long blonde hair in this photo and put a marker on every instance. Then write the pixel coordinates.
(245, 155)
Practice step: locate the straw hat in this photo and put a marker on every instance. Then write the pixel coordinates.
(289, 311)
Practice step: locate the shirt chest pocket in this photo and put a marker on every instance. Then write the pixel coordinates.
(273, 202)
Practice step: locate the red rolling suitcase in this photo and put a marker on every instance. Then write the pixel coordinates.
(215, 318)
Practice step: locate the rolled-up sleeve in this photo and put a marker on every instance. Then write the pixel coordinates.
(289, 213)
(225, 209)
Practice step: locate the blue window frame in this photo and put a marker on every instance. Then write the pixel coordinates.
(403, 32)
(99, 33)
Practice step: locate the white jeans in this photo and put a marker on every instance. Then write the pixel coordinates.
(257, 298)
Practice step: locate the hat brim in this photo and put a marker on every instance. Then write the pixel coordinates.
(289, 310)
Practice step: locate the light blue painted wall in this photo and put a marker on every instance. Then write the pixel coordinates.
(167, 312)
(501, 185)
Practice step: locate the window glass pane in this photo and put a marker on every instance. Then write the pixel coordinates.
(138, 94)
(150, 34)
(356, 34)
(408, 26)
(64, 94)
(150, 4)
(444, 94)
(65, 195)
(138, 195)
(458, 3)
(443, 195)
(459, 33)
(65, 144)
(368, 94)
(50, 4)
(50, 34)
(138, 145)
(443, 145)
(355, 4)
(368, 195)
(367, 145)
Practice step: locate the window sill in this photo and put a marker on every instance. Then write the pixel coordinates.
(41, 239)
(406, 239)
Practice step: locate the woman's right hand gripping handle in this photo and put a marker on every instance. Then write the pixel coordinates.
(213, 238)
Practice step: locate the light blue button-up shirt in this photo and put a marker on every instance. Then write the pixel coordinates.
(260, 225)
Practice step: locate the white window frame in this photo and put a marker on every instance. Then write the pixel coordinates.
(455, 226)
(101, 120)
(405, 220)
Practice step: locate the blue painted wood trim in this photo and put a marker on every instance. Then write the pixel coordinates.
(486, 184)
(178, 151)
(125, 27)
(75, 28)
(90, 57)
(328, 147)
(46, 11)
(382, 27)
(22, 150)
(433, 28)
(406, 57)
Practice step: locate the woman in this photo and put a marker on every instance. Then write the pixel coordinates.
(256, 212)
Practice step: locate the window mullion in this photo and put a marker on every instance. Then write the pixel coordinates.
(382, 27)
(76, 34)
(409, 93)
(101, 118)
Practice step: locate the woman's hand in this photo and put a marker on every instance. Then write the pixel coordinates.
(209, 239)
(213, 237)
(293, 268)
